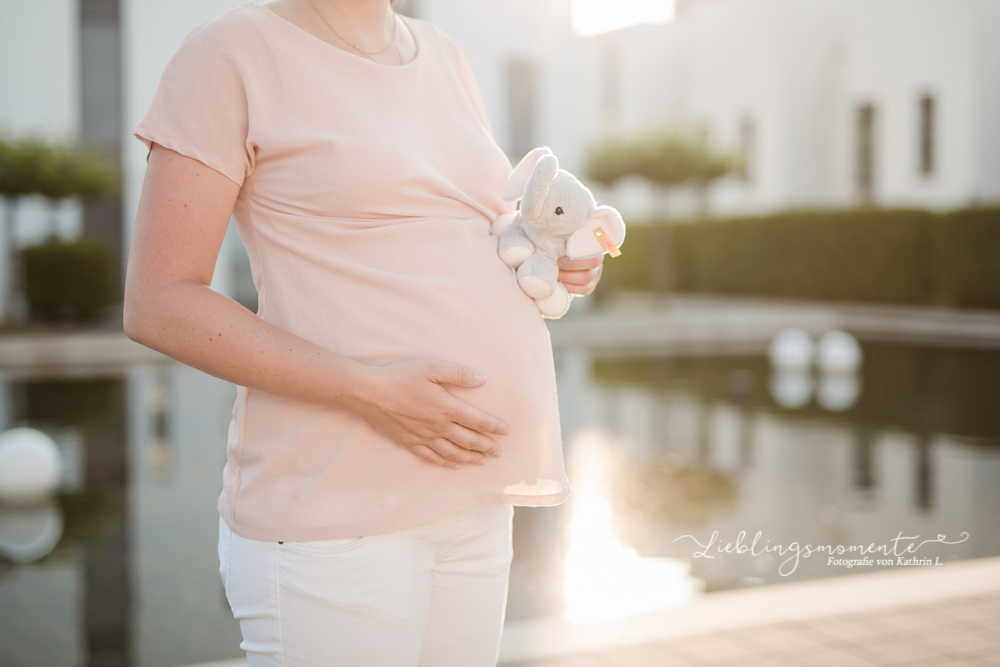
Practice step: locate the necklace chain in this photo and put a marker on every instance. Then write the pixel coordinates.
(355, 46)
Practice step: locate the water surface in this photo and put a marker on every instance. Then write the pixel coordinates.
(662, 454)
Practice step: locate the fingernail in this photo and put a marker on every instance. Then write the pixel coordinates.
(481, 462)
(480, 376)
(456, 466)
(495, 453)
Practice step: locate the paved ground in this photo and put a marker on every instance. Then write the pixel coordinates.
(956, 631)
(679, 325)
(71, 353)
(919, 616)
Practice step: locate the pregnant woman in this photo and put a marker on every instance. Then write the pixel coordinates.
(395, 390)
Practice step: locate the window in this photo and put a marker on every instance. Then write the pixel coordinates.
(927, 122)
(866, 150)
(522, 81)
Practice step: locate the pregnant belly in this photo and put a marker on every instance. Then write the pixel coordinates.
(432, 289)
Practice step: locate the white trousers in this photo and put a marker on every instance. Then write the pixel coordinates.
(433, 595)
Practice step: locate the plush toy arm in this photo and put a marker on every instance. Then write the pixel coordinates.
(584, 243)
(514, 247)
(501, 223)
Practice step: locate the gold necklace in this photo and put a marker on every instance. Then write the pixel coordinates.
(355, 46)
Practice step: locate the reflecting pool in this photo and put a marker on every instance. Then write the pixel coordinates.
(673, 458)
(662, 453)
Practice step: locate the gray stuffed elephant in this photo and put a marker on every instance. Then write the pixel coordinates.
(558, 216)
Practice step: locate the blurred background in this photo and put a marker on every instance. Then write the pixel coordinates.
(801, 336)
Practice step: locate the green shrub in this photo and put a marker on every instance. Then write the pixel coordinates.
(667, 156)
(68, 279)
(630, 271)
(880, 256)
(54, 170)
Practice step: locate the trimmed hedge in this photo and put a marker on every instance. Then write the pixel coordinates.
(68, 280)
(882, 256)
(966, 256)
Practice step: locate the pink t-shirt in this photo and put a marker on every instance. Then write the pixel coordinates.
(367, 195)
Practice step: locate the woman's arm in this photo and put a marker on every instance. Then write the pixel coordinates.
(183, 214)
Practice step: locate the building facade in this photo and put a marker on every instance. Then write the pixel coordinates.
(835, 103)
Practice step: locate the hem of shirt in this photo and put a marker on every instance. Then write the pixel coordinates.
(376, 528)
(145, 134)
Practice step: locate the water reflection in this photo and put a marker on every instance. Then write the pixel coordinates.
(703, 444)
(133, 578)
(791, 389)
(656, 448)
(160, 448)
(605, 579)
(31, 468)
(85, 528)
(29, 533)
(837, 356)
(838, 392)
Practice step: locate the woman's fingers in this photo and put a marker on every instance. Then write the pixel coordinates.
(580, 276)
(446, 453)
(581, 285)
(436, 426)
(579, 264)
(449, 450)
(469, 439)
(429, 455)
(465, 415)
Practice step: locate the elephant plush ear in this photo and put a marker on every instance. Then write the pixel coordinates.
(519, 177)
(584, 242)
(538, 186)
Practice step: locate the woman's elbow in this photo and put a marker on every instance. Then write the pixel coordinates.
(136, 313)
(132, 321)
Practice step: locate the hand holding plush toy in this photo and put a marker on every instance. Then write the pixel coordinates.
(558, 216)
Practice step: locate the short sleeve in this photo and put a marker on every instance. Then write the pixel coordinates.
(201, 107)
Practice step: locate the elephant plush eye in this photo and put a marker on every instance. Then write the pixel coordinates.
(559, 210)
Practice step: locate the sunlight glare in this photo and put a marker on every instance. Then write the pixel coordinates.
(593, 17)
(606, 580)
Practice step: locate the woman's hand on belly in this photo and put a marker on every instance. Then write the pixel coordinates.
(404, 400)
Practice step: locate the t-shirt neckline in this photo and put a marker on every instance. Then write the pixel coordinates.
(282, 19)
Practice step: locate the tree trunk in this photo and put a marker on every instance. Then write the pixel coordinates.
(660, 266)
(702, 190)
(53, 222)
(7, 316)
